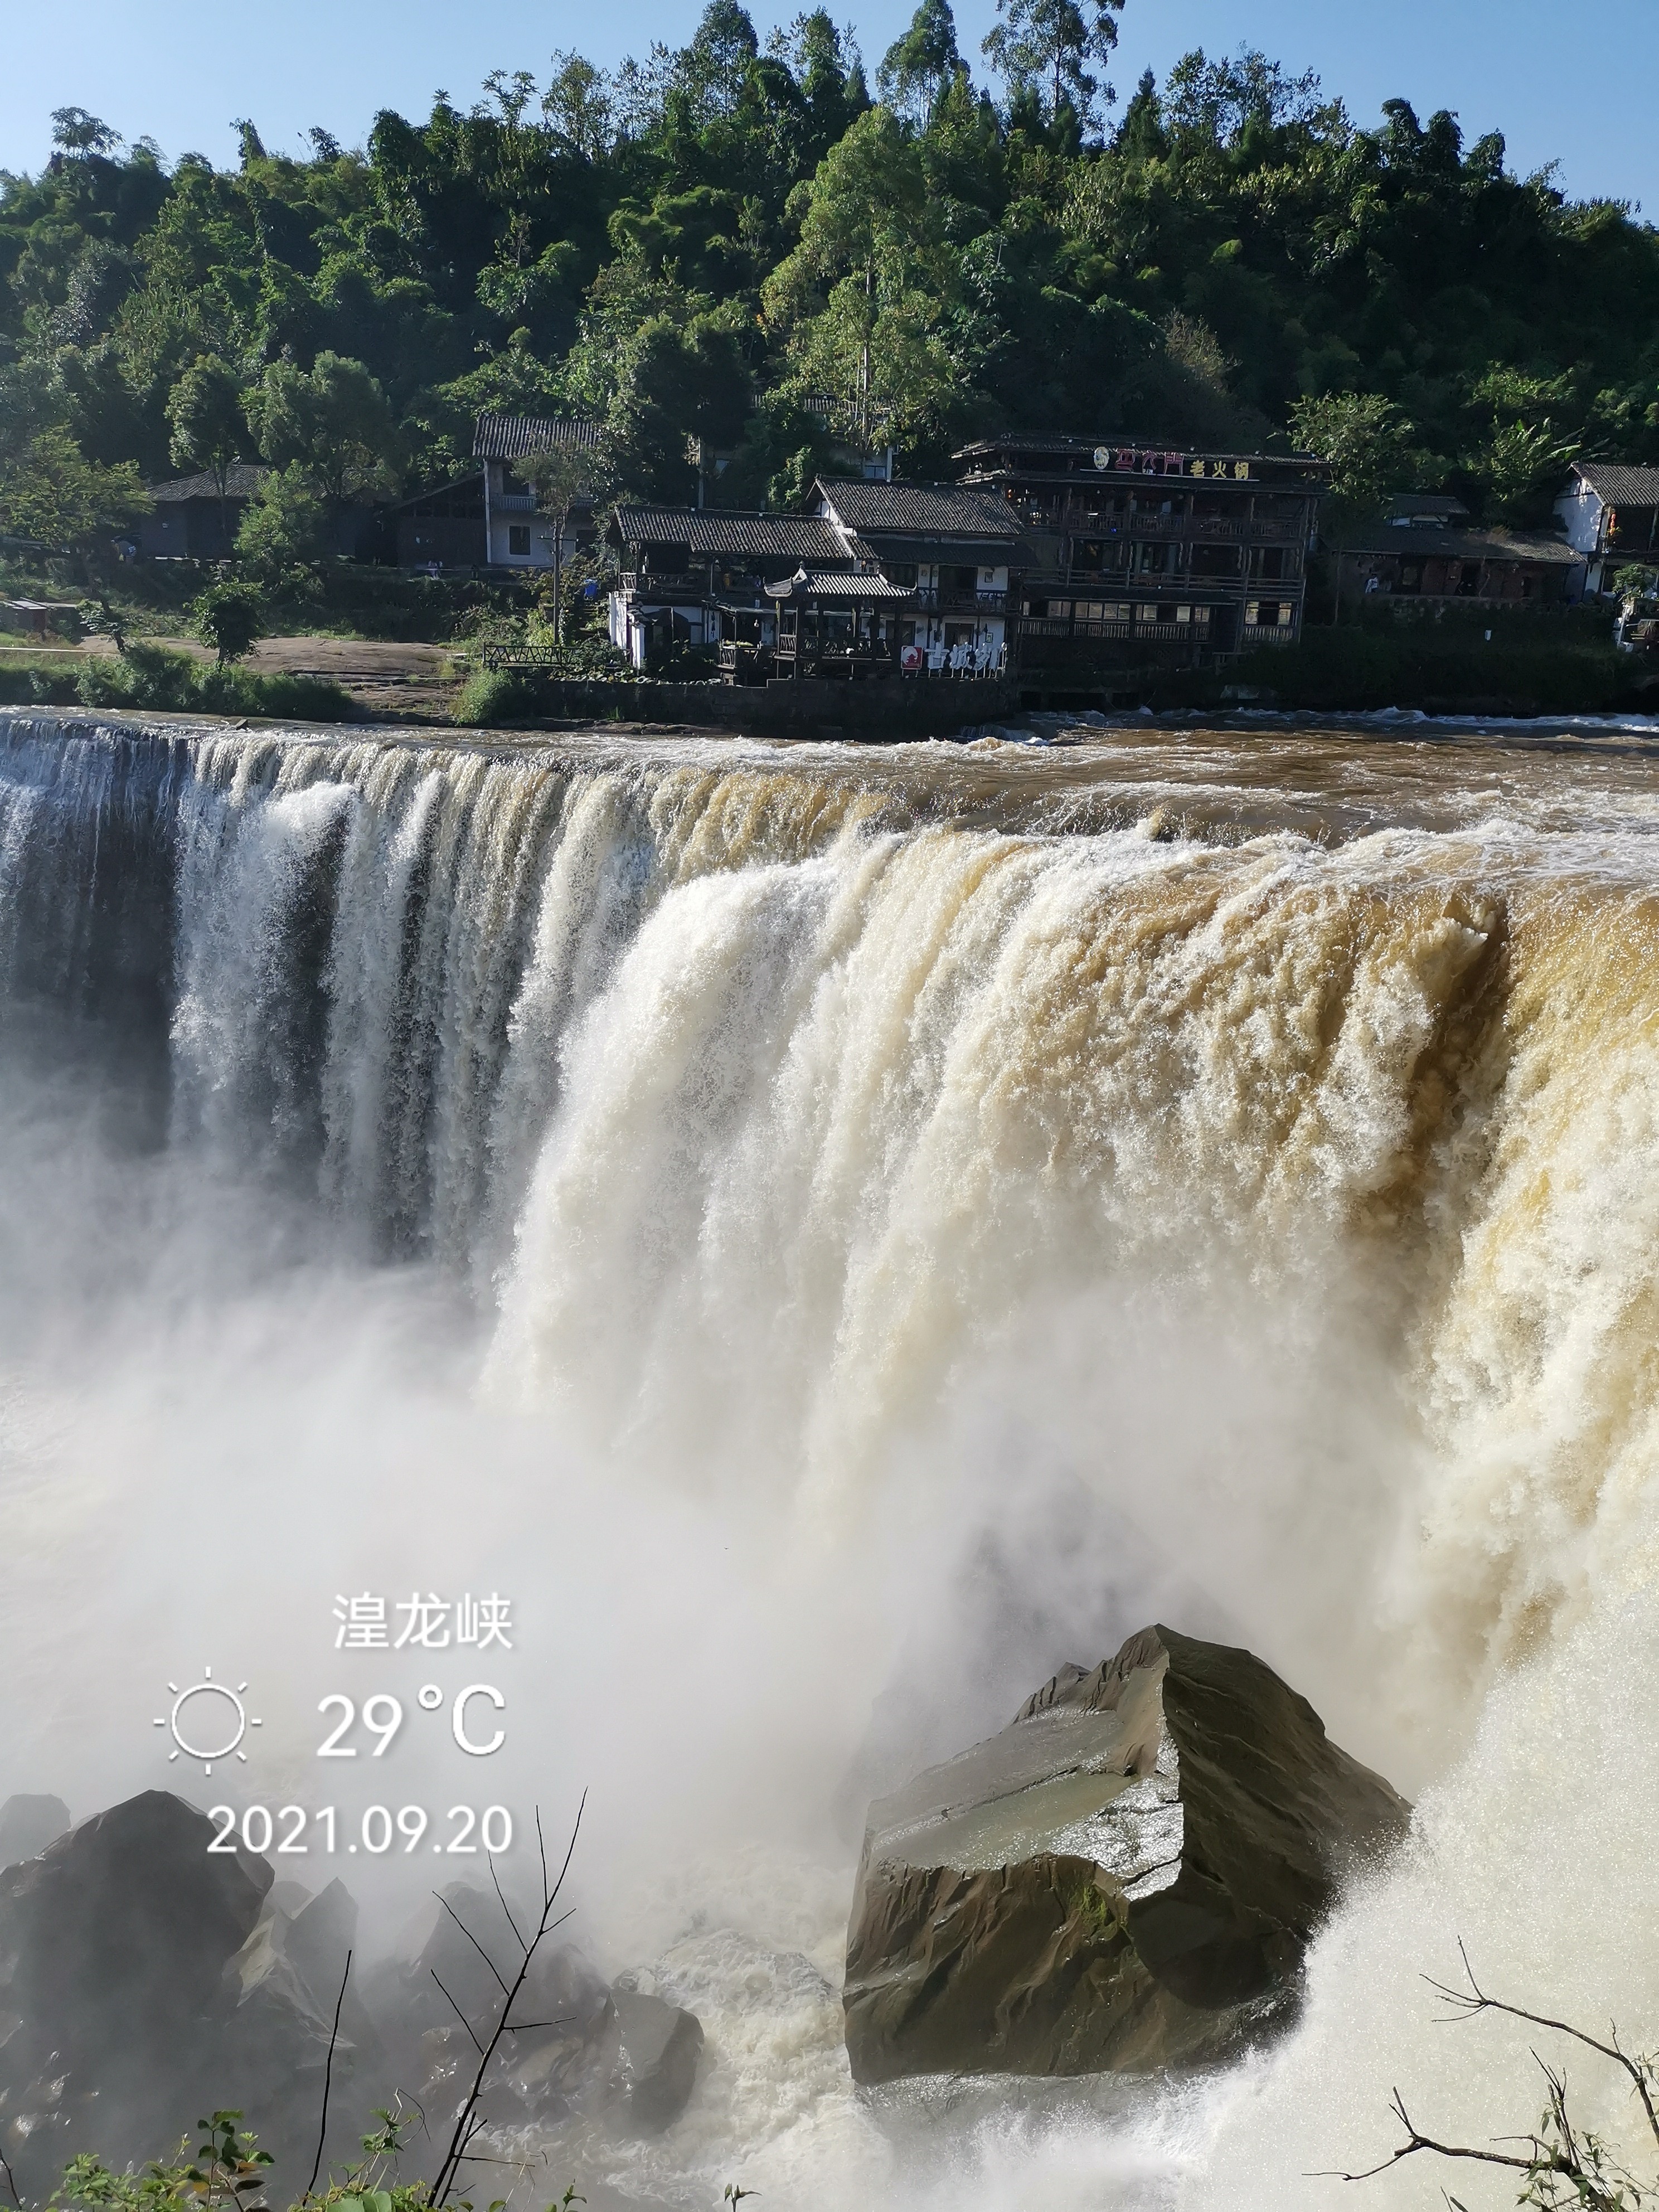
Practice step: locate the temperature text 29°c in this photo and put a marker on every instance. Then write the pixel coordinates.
(383, 1715)
(259, 1829)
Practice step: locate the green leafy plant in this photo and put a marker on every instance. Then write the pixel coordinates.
(228, 617)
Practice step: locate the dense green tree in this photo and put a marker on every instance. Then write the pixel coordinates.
(229, 616)
(51, 493)
(332, 421)
(916, 68)
(1048, 43)
(285, 528)
(661, 245)
(204, 413)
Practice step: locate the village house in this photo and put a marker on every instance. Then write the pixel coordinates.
(882, 579)
(516, 534)
(1610, 514)
(490, 518)
(697, 576)
(1422, 548)
(1140, 553)
(189, 521)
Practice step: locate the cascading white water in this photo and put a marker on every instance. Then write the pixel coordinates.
(994, 1197)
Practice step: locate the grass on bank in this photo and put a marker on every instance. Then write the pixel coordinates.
(151, 677)
(331, 599)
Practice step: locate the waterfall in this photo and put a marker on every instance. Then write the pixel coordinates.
(832, 1123)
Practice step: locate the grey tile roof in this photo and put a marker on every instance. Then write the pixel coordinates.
(816, 584)
(879, 510)
(1422, 502)
(1619, 484)
(242, 480)
(1458, 544)
(512, 437)
(720, 530)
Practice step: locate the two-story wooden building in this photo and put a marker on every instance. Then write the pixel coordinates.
(1138, 553)
(1609, 515)
(882, 578)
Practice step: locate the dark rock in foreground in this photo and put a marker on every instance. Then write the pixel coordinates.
(27, 1824)
(660, 2044)
(112, 1944)
(1125, 1879)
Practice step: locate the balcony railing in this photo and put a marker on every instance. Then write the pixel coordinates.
(666, 584)
(958, 599)
(515, 502)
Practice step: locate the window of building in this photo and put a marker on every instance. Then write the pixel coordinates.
(1468, 583)
(1266, 614)
(518, 540)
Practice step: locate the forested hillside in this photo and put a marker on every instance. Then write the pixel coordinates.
(688, 248)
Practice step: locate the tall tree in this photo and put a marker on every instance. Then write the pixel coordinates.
(204, 414)
(1048, 43)
(333, 420)
(563, 478)
(916, 68)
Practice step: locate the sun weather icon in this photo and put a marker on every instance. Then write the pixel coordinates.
(208, 1720)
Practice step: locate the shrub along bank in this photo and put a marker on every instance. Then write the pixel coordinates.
(151, 677)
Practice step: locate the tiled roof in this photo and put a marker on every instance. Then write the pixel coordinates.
(242, 480)
(1620, 485)
(722, 529)
(1422, 502)
(815, 585)
(511, 437)
(1459, 544)
(919, 510)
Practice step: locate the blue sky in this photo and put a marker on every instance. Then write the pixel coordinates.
(1561, 87)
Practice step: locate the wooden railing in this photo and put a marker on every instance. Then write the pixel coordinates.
(958, 598)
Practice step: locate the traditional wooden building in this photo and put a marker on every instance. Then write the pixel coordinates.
(516, 533)
(958, 550)
(189, 521)
(882, 578)
(443, 528)
(1422, 549)
(693, 575)
(1138, 553)
(1609, 515)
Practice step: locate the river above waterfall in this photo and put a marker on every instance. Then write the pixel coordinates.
(836, 1234)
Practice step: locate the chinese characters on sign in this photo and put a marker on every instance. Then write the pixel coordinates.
(425, 1624)
(1135, 460)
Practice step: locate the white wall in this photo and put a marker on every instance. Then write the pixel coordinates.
(1582, 510)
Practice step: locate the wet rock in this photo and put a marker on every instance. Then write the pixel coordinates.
(563, 2053)
(113, 1943)
(279, 1992)
(659, 2047)
(1125, 1878)
(27, 1824)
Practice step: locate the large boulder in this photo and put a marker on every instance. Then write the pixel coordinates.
(1126, 1878)
(113, 1943)
(661, 2045)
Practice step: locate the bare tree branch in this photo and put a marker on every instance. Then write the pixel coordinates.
(472, 1940)
(1475, 2000)
(328, 2075)
(469, 2122)
(455, 2009)
(490, 1860)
